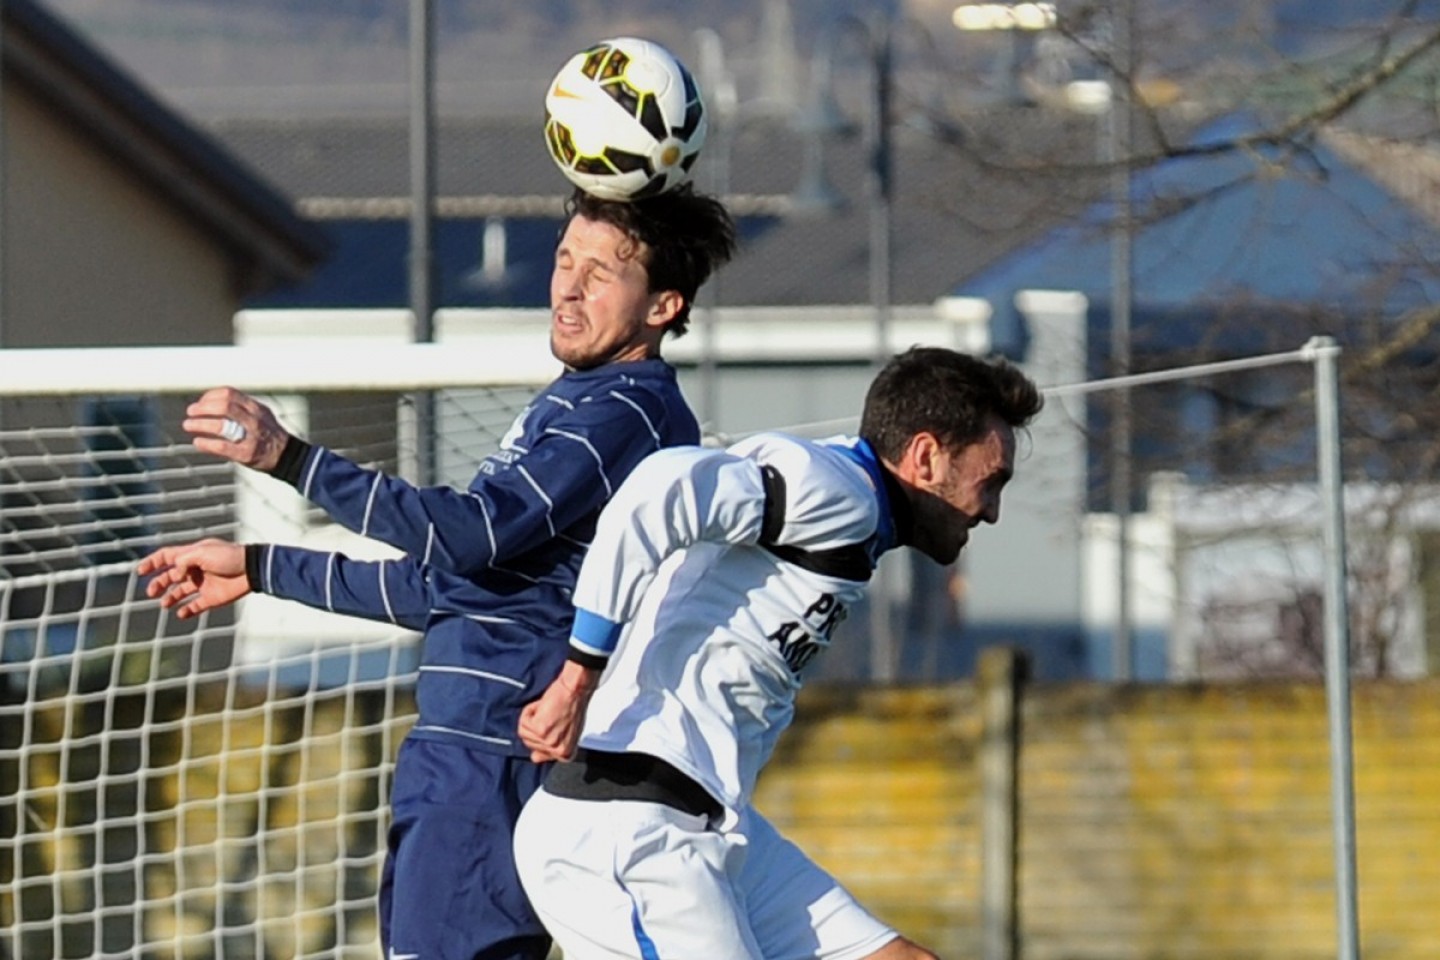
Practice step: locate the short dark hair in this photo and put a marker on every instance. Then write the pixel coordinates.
(946, 393)
(687, 235)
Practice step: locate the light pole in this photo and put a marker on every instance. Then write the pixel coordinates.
(879, 179)
(422, 200)
(726, 115)
(824, 118)
(1111, 98)
(875, 37)
(720, 101)
(1119, 146)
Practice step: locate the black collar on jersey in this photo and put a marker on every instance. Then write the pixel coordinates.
(850, 562)
(854, 561)
(901, 513)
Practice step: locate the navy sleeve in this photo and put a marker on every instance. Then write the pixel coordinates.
(390, 591)
(568, 471)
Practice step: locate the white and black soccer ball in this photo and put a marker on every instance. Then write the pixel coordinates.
(624, 120)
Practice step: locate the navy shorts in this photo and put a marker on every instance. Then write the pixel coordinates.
(449, 890)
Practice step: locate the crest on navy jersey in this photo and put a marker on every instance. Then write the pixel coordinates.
(517, 430)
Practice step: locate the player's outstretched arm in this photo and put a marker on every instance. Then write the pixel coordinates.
(550, 726)
(392, 591)
(196, 577)
(236, 426)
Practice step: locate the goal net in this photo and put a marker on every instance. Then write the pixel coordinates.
(217, 787)
(213, 787)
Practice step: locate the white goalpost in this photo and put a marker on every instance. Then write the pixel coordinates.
(214, 787)
(1322, 353)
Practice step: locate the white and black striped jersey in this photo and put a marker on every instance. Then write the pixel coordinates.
(489, 570)
(716, 576)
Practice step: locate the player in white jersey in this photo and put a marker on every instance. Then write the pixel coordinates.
(714, 578)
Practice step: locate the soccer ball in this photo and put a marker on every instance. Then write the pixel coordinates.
(624, 120)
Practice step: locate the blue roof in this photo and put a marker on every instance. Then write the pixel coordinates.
(368, 267)
(1263, 229)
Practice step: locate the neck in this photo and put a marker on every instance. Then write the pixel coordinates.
(897, 491)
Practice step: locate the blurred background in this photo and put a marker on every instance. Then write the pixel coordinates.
(1101, 734)
(1211, 180)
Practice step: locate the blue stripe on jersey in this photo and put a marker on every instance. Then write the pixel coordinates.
(385, 593)
(370, 506)
(473, 672)
(642, 939)
(626, 400)
(590, 447)
(864, 455)
(593, 633)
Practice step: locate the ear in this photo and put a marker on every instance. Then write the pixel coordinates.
(924, 460)
(664, 307)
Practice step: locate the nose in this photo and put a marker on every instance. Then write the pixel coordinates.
(565, 285)
(991, 514)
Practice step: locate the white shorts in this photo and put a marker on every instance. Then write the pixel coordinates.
(629, 880)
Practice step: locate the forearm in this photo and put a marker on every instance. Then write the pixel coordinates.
(388, 591)
(463, 532)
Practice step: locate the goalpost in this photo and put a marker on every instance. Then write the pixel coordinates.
(1322, 353)
(214, 787)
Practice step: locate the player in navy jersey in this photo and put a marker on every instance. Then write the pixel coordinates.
(732, 569)
(487, 572)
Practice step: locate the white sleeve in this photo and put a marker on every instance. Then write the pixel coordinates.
(674, 498)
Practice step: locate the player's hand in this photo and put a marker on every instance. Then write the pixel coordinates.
(550, 726)
(236, 426)
(196, 577)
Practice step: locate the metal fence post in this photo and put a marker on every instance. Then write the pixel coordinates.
(1325, 355)
(1000, 673)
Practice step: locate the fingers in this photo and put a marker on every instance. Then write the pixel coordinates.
(546, 755)
(173, 576)
(209, 414)
(173, 588)
(529, 735)
(165, 567)
(234, 425)
(177, 595)
(196, 577)
(221, 402)
(157, 560)
(546, 742)
(162, 582)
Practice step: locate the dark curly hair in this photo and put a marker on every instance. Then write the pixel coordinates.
(686, 236)
(945, 393)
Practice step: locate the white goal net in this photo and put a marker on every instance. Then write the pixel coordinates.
(213, 787)
(216, 788)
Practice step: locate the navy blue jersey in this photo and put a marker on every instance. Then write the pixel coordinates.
(489, 570)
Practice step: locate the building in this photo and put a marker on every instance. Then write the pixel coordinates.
(1236, 255)
(120, 225)
(124, 224)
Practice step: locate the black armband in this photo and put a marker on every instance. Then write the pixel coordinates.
(589, 661)
(292, 458)
(254, 557)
